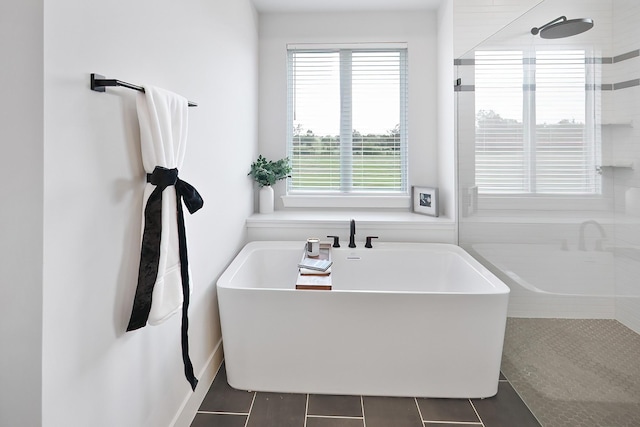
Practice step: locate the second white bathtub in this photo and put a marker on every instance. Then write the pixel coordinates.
(403, 319)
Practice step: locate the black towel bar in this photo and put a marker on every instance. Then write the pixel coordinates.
(98, 83)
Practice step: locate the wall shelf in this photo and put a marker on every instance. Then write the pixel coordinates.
(628, 124)
(615, 165)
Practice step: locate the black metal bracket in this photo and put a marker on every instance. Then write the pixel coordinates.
(99, 83)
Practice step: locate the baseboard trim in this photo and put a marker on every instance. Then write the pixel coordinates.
(187, 411)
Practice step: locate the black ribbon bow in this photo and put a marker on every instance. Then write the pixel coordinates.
(150, 254)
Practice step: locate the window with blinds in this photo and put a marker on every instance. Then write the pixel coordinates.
(534, 123)
(347, 114)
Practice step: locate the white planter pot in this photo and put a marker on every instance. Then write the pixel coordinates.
(266, 199)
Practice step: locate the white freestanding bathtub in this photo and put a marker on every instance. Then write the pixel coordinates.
(403, 319)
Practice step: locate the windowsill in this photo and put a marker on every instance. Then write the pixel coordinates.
(331, 218)
(346, 202)
(544, 203)
(539, 217)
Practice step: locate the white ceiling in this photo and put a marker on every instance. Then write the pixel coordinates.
(269, 6)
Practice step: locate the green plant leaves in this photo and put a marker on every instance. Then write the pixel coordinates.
(267, 172)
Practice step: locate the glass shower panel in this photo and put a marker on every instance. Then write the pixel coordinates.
(537, 202)
(548, 153)
(621, 131)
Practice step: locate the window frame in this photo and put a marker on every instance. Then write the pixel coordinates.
(352, 197)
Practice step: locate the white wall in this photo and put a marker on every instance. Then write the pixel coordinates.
(418, 28)
(95, 374)
(21, 130)
(476, 20)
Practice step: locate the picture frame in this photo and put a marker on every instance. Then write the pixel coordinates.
(425, 200)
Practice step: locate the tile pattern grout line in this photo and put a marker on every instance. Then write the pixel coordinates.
(477, 414)
(364, 419)
(456, 423)
(223, 413)
(337, 417)
(415, 400)
(306, 410)
(471, 423)
(246, 423)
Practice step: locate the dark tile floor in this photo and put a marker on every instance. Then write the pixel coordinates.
(224, 406)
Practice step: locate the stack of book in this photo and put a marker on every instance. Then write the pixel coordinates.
(315, 273)
(317, 266)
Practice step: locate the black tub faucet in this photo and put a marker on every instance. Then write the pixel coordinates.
(336, 241)
(352, 234)
(368, 243)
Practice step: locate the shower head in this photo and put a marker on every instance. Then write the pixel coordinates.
(561, 27)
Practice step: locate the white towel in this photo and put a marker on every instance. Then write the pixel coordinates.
(163, 118)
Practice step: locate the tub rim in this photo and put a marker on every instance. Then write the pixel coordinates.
(495, 285)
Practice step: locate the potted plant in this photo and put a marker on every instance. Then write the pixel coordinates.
(266, 173)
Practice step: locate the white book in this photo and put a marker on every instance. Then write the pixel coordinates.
(315, 264)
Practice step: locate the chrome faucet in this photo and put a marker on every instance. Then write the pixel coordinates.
(352, 234)
(583, 226)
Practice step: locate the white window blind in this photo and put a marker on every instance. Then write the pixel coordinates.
(500, 146)
(347, 121)
(534, 130)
